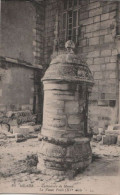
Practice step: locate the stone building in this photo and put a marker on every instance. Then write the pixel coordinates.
(45, 25)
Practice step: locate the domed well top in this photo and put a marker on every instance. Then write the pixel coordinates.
(68, 67)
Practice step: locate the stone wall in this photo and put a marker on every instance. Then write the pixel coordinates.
(22, 30)
(16, 89)
(18, 20)
(97, 45)
(50, 15)
(38, 34)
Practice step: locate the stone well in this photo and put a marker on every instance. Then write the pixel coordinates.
(64, 149)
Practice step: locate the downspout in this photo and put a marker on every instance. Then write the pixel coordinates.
(118, 58)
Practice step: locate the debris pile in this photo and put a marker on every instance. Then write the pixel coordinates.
(110, 136)
(20, 125)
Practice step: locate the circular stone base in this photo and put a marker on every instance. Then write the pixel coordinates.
(64, 160)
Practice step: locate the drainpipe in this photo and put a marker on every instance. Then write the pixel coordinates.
(118, 58)
(118, 65)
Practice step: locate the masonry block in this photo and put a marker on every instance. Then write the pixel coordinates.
(105, 16)
(108, 38)
(118, 140)
(97, 75)
(74, 119)
(93, 5)
(94, 41)
(99, 138)
(95, 12)
(97, 19)
(109, 139)
(99, 60)
(19, 137)
(106, 52)
(71, 107)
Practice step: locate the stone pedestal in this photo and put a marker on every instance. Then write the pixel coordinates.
(64, 149)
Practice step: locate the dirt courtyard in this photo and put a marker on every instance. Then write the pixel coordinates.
(101, 177)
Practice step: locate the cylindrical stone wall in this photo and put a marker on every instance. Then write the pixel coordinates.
(64, 148)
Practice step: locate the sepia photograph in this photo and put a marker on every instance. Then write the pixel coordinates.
(60, 97)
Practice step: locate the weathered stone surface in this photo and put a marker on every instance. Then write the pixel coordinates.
(118, 140)
(74, 119)
(71, 107)
(112, 132)
(24, 130)
(109, 139)
(4, 127)
(65, 159)
(63, 148)
(94, 137)
(99, 138)
(114, 127)
(19, 137)
(101, 131)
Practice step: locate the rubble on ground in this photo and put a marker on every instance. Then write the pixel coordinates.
(109, 137)
(20, 125)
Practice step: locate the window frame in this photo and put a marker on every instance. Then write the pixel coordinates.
(65, 30)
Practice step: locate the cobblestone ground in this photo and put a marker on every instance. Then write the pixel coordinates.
(17, 175)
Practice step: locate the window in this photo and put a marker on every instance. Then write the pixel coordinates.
(70, 20)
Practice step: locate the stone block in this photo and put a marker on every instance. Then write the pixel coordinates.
(112, 132)
(101, 131)
(19, 137)
(114, 127)
(94, 54)
(49, 86)
(109, 139)
(114, 52)
(96, 34)
(105, 24)
(88, 35)
(96, 67)
(94, 137)
(94, 5)
(103, 32)
(71, 107)
(101, 39)
(0, 92)
(98, 60)
(118, 140)
(95, 12)
(107, 52)
(113, 75)
(90, 61)
(4, 127)
(99, 138)
(93, 27)
(97, 75)
(74, 119)
(24, 130)
(13, 122)
(111, 66)
(108, 38)
(105, 140)
(84, 15)
(97, 19)
(86, 21)
(94, 41)
(105, 16)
